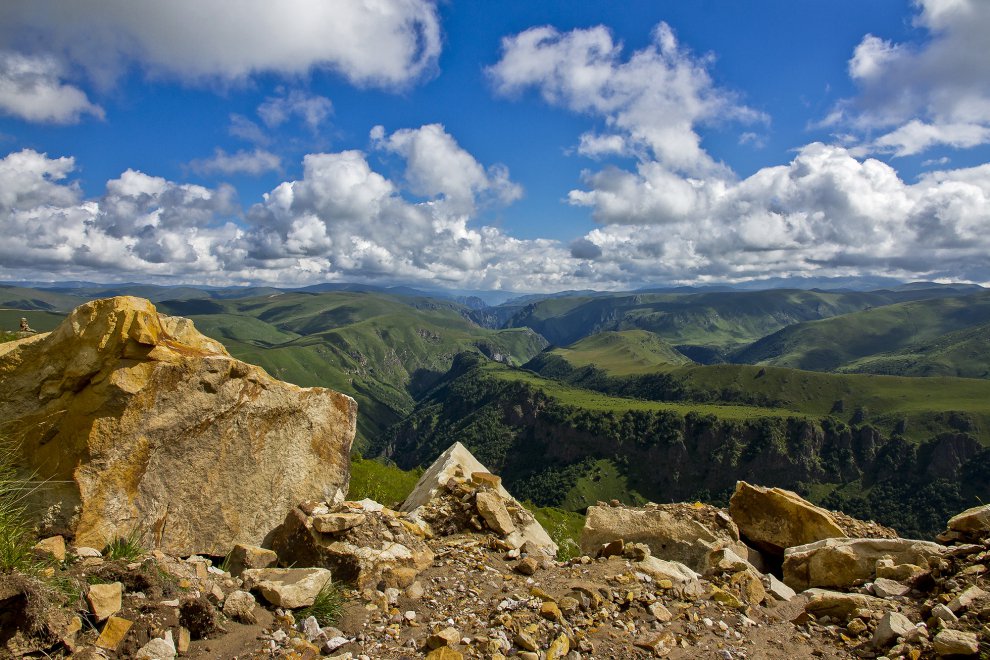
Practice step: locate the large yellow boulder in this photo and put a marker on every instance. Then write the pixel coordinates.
(144, 427)
(773, 519)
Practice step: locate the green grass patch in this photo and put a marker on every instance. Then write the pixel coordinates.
(327, 607)
(376, 480)
(591, 400)
(623, 353)
(15, 533)
(564, 527)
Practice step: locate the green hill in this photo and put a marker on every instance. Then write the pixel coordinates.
(624, 352)
(964, 353)
(378, 348)
(836, 343)
(703, 326)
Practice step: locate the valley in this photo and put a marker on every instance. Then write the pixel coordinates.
(853, 398)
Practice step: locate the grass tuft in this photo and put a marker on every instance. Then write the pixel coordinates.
(15, 532)
(328, 606)
(126, 548)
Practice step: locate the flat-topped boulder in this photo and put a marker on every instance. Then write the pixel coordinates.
(684, 533)
(843, 563)
(144, 427)
(773, 519)
(972, 524)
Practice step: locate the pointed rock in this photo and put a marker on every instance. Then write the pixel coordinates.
(457, 467)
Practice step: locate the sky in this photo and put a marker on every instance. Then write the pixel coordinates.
(514, 145)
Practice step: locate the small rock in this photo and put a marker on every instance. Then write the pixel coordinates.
(113, 633)
(967, 598)
(486, 479)
(291, 588)
(559, 648)
(885, 588)
(83, 552)
(415, 591)
(527, 566)
(551, 611)
(779, 590)
(446, 637)
(105, 599)
(311, 628)
(51, 548)
(444, 653)
(239, 606)
(660, 613)
(332, 523)
(611, 549)
(244, 556)
(492, 509)
(943, 613)
(955, 642)
(158, 649)
(525, 641)
(183, 641)
(891, 626)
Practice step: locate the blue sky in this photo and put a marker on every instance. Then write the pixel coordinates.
(513, 145)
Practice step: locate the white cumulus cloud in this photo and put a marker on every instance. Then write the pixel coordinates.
(31, 88)
(438, 167)
(370, 42)
(920, 95)
(651, 101)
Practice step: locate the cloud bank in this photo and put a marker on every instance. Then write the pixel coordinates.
(826, 212)
(195, 40)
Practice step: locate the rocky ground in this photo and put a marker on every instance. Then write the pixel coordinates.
(466, 572)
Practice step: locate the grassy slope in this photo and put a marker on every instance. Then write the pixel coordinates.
(623, 353)
(719, 320)
(833, 343)
(888, 401)
(374, 347)
(964, 353)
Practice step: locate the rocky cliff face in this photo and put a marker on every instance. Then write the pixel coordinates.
(143, 426)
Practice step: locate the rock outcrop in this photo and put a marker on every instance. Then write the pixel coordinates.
(369, 548)
(144, 427)
(677, 532)
(843, 563)
(773, 519)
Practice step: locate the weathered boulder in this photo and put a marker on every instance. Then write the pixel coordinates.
(773, 519)
(143, 426)
(949, 642)
(457, 493)
(384, 548)
(677, 532)
(243, 556)
(842, 606)
(970, 524)
(842, 563)
(287, 587)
